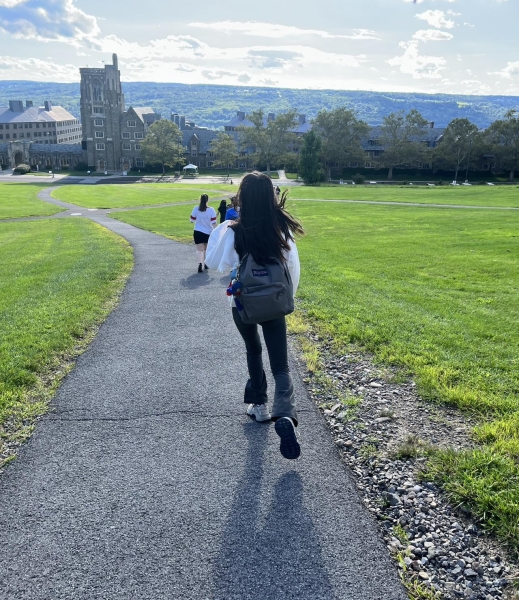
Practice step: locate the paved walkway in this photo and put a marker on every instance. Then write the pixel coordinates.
(146, 480)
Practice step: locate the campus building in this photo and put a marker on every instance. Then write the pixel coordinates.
(46, 136)
(112, 135)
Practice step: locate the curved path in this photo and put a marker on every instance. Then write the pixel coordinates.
(146, 480)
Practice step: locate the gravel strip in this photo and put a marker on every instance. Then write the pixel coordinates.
(379, 423)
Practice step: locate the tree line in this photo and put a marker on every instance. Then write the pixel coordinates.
(337, 137)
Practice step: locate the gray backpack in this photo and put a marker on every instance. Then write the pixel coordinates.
(266, 291)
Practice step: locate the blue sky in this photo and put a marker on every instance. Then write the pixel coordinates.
(451, 46)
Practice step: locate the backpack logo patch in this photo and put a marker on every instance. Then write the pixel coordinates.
(260, 272)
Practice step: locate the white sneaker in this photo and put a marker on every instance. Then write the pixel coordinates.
(260, 412)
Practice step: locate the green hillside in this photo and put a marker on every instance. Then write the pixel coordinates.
(215, 105)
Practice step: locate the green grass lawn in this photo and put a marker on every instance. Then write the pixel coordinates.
(434, 292)
(126, 195)
(171, 221)
(58, 278)
(470, 196)
(19, 200)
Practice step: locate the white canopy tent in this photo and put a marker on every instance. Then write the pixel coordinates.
(190, 167)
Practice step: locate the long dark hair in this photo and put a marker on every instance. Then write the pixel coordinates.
(264, 227)
(204, 199)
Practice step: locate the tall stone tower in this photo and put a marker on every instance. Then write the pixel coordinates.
(102, 105)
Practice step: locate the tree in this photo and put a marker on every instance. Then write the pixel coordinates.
(225, 150)
(269, 141)
(163, 144)
(402, 137)
(458, 143)
(310, 167)
(341, 133)
(503, 141)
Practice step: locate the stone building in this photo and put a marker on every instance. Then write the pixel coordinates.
(111, 134)
(45, 137)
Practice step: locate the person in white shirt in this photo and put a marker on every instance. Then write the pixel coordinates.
(265, 230)
(204, 218)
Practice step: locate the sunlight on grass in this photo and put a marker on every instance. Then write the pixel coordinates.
(470, 196)
(57, 279)
(20, 200)
(121, 196)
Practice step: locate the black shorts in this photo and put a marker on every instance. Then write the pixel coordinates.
(200, 237)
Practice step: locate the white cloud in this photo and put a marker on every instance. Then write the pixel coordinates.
(46, 20)
(35, 69)
(432, 35)
(436, 18)
(511, 70)
(420, 67)
(275, 30)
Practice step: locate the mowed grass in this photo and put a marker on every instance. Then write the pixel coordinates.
(20, 200)
(171, 221)
(139, 194)
(435, 292)
(57, 280)
(502, 196)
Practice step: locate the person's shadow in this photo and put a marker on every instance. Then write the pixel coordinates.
(196, 280)
(273, 558)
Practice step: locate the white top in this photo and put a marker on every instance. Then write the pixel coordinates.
(222, 256)
(204, 221)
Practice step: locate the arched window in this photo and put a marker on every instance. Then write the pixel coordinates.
(48, 161)
(97, 90)
(64, 161)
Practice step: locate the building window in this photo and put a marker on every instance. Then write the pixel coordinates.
(126, 135)
(137, 146)
(127, 146)
(37, 125)
(193, 153)
(100, 146)
(132, 123)
(139, 135)
(1, 126)
(14, 136)
(1, 136)
(7, 136)
(139, 162)
(210, 163)
(353, 164)
(486, 167)
(98, 110)
(98, 122)
(368, 165)
(100, 134)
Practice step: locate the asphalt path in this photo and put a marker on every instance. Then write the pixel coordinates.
(146, 480)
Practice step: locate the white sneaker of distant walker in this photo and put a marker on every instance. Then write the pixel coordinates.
(260, 412)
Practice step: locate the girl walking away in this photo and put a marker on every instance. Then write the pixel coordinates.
(263, 233)
(222, 209)
(204, 218)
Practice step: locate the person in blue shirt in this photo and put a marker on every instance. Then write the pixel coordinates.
(232, 213)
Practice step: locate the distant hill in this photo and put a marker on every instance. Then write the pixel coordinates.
(214, 105)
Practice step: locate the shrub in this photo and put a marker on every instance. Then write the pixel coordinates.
(82, 166)
(22, 169)
(480, 183)
(439, 182)
(358, 178)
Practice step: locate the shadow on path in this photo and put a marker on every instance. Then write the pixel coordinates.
(269, 554)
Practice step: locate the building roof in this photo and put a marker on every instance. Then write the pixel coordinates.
(145, 113)
(47, 148)
(35, 114)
